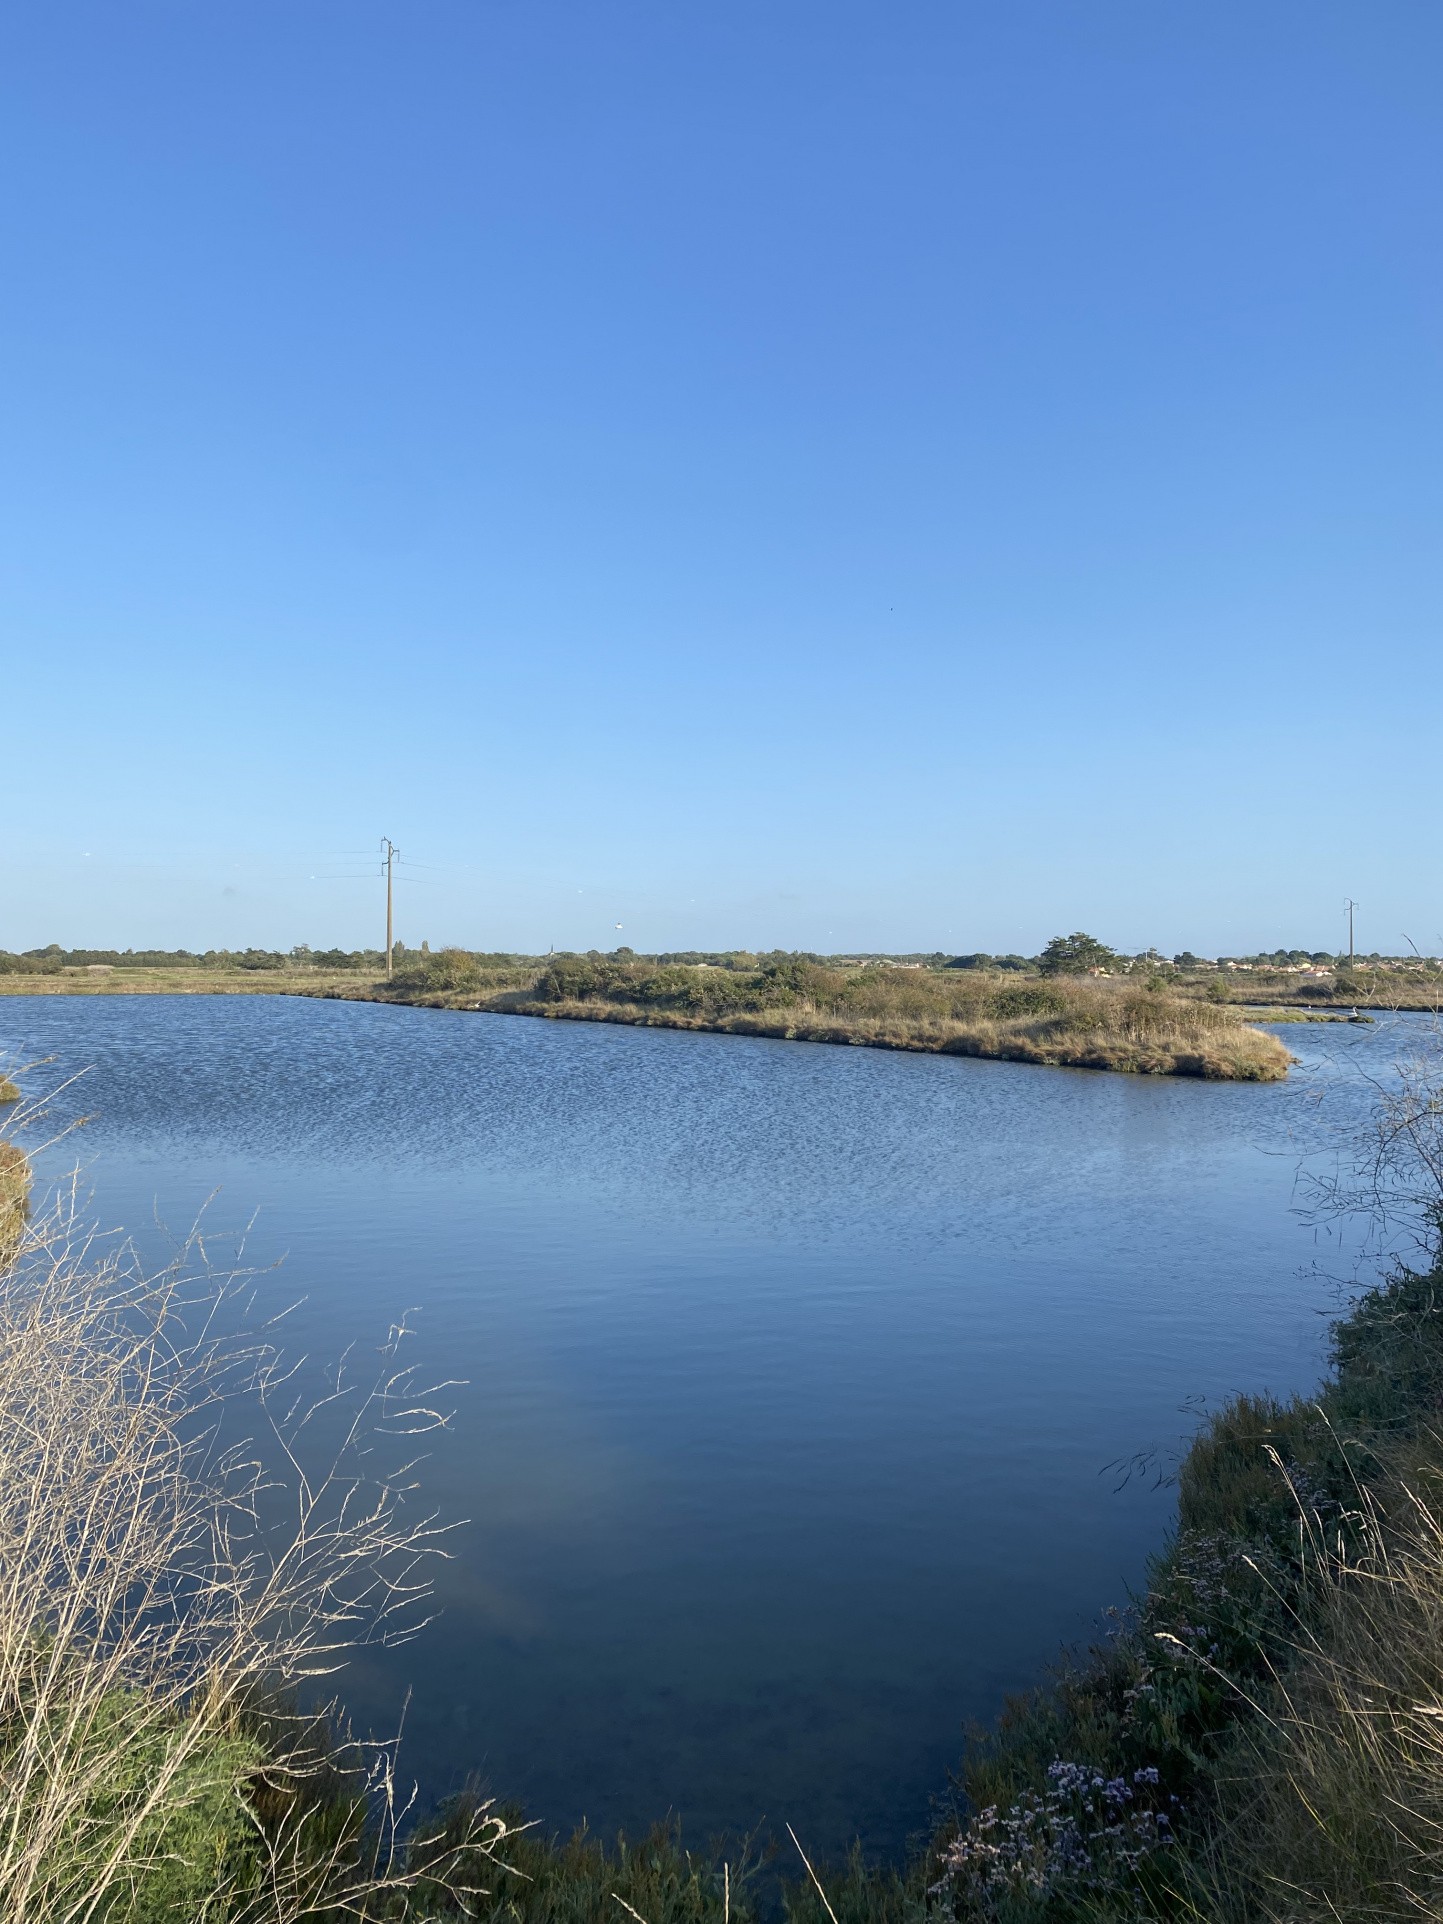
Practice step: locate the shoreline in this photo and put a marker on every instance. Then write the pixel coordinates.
(1058, 1052)
(1063, 1023)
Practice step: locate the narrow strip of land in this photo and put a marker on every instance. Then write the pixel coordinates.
(1067, 1022)
(1080, 1022)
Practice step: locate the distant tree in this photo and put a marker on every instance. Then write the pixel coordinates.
(1187, 960)
(981, 960)
(1075, 954)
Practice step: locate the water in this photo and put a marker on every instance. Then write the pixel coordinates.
(793, 1374)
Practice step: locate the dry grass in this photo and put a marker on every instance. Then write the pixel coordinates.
(14, 1198)
(1333, 1795)
(1062, 1022)
(147, 1612)
(76, 981)
(1065, 1022)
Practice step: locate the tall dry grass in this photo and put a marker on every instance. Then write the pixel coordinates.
(1067, 1022)
(1332, 1796)
(166, 1590)
(14, 1197)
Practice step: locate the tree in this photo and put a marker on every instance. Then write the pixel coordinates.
(1075, 955)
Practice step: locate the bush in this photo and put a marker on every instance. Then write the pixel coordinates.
(186, 1851)
(448, 969)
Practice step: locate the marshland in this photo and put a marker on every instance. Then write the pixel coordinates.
(809, 1401)
(1068, 1021)
(1127, 1016)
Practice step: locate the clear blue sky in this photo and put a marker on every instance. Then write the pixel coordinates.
(759, 472)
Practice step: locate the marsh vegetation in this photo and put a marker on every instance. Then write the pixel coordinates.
(1063, 1019)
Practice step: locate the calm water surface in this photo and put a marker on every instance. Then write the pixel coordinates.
(792, 1373)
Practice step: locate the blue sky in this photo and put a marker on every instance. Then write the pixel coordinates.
(766, 473)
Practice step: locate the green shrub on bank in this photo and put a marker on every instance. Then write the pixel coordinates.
(1301, 1558)
(193, 1857)
(448, 969)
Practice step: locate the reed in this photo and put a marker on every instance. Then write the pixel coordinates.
(14, 1199)
(151, 1624)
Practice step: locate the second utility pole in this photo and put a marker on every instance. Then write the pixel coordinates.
(390, 860)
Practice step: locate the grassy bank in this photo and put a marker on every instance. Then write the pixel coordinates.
(1418, 990)
(1260, 1739)
(174, 981)
(1064, 1021)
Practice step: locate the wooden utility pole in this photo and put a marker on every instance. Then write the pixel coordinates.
(1349, 904)
(389, 859)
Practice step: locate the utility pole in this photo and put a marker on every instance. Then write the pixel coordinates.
(389, 860)
(1349, 904)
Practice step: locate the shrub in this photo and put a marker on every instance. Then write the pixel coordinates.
(448, 969)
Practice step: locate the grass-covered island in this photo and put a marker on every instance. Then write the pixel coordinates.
(1072, 1021)
(1076, 1005)
(1259, 1740)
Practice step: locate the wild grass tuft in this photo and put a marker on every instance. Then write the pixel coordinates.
(149, 1616)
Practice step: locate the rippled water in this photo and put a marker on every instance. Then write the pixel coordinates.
(792, 1373)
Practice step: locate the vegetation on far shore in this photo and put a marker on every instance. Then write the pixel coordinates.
(861, 998)
(1074, 1006)
(1060, 1019)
